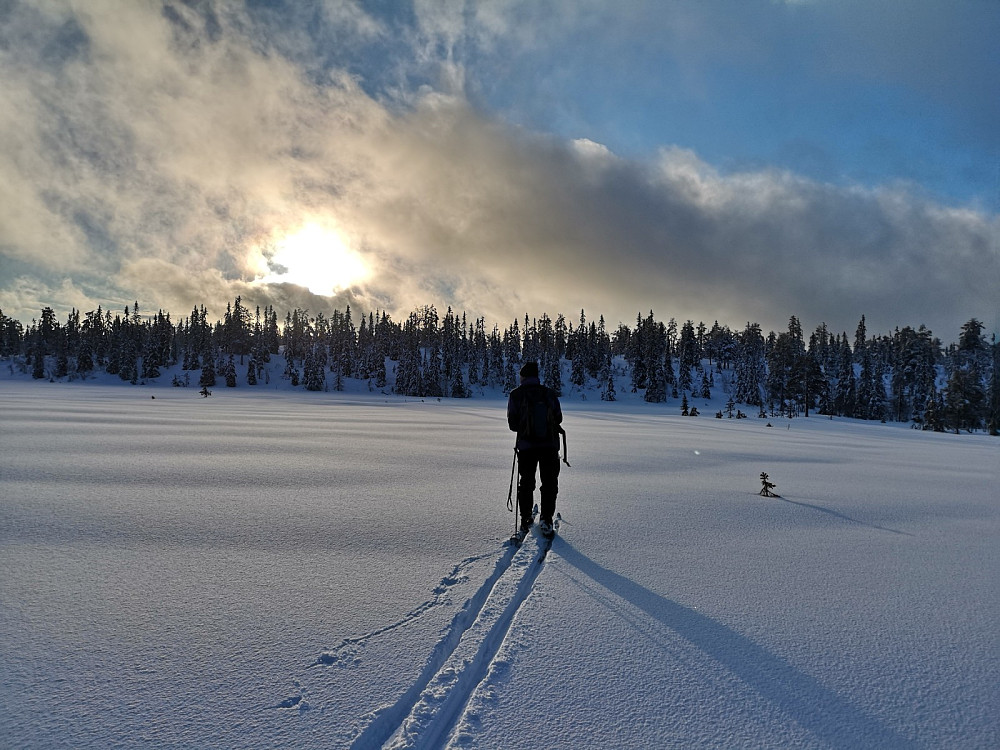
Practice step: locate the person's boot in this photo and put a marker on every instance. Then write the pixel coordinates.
(545, 526)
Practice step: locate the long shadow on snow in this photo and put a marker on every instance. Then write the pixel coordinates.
(837, 514)
(815, 707)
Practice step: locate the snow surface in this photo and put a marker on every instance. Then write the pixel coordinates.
(318, 570)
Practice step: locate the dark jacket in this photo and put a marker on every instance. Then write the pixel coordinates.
(518, 406)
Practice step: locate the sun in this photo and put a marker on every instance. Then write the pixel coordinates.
(316, 257)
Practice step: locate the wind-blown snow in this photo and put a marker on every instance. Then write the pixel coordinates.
(330, 570)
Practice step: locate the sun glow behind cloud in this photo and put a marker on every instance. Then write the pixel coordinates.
(314, 256)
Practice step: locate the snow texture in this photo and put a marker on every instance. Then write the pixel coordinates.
(332, 570)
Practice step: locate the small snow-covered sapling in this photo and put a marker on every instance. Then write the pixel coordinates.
(767, 486)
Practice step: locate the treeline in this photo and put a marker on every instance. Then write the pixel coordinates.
(908, 376)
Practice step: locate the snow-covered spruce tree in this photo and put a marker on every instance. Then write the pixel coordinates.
(750, 366)
(658, 360)
(553, 373)
(784, 362)
(343, 344)
(38, 362)
(599, 348)
(474, 365)
(913, 373)
(964, 399)
(610, 393)
(578, 351)
(656, 390)
(934, 414)
(380, 373)
(62, 360)
(207, 379)
(993, 409)
(635, 355)
(495, 370)
(871, 391)
(530, 348)
(511, 357)
(408, 375)
(230, 372)
(432, 374)
(509, 376)
(11, 335)
(814, 382)
(688, 357)
(606, 377)
(85, 358)
(458, 387)
(972, 350)
(845, 395)
(670, 346)
(706, 383)
(860, 340)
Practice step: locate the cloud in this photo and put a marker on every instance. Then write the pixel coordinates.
(154, 156)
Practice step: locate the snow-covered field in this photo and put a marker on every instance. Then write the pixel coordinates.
(330, 570)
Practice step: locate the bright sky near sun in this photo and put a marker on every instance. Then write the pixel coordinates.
(727, 160)
(315, 257)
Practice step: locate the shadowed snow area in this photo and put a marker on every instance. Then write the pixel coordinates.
(332, 570)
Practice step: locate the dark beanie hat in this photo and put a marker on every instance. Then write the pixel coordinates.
(529, 370)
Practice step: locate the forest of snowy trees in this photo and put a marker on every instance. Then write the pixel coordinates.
(908, 376)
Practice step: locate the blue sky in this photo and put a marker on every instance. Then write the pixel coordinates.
(727, 160)
(837, 91)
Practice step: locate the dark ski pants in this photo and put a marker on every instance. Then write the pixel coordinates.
(546, 462)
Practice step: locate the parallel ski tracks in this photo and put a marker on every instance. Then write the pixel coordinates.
(426, 713)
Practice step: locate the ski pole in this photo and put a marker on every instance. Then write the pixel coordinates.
(510, 491)
(565, 449)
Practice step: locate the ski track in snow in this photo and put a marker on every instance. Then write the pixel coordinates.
(345, 654)
(348, 648)
(426, 713)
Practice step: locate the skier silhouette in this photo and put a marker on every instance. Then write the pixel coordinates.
(534, 413)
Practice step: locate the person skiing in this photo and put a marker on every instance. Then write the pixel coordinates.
(534, 413)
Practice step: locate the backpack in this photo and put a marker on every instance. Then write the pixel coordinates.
(538, 419)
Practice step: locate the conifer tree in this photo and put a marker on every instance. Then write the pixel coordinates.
(993, 410)
(458, 386)
(934, 416)
(687, 357)
(860, 340)
(845, 391)
(964, 400)
(656, 390)
(871, 390)
(706, 384)
(606, 378)
(38, 362)
(635, 354)
(432, 374)
(553, 374)
(750, 366)
(230, 372)
(207, 379)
